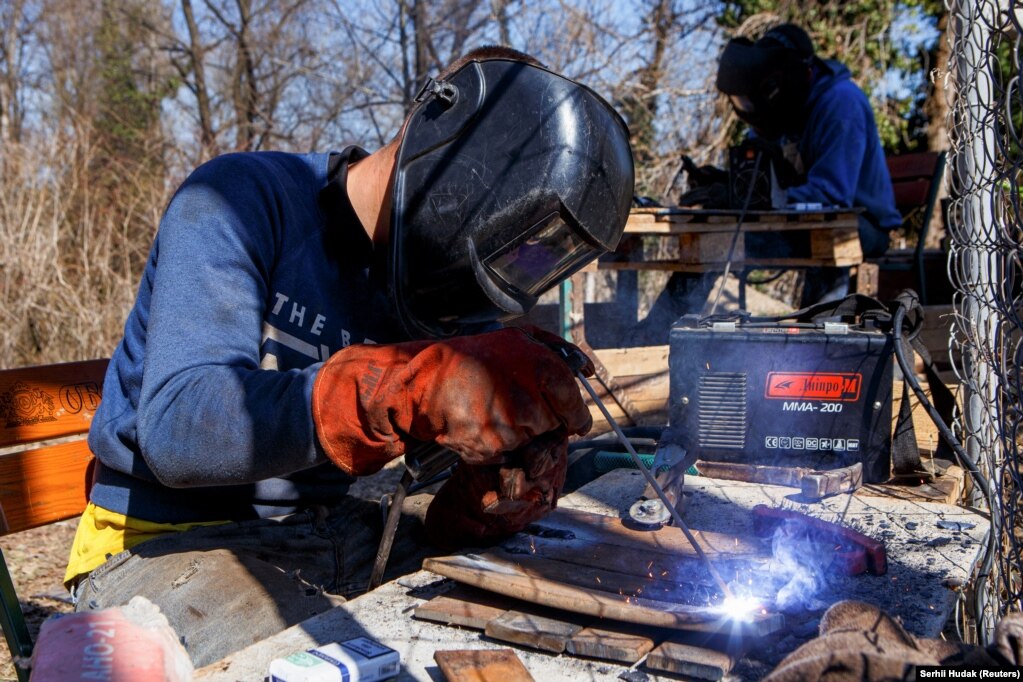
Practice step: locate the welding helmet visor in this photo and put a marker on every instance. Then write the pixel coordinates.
(509, 178)
(768, 82)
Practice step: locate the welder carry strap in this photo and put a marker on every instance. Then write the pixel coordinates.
(857, 309)
(905, 451)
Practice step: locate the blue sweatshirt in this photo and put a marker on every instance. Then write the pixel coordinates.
(842, 154)
(259, 271)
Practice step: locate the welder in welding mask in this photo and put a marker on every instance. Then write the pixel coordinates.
(507, 179)
(823, 125)
(768, 82)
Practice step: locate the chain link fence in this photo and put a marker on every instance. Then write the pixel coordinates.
(985, 224)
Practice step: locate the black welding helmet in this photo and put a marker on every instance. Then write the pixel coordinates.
(768, 81)
(509, 178)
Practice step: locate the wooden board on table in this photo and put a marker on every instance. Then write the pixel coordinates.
(946, 489)
(591, 564)
(609, 645)
(590, 529)
(690, 661)
(532, 630)
(481, 665)
(528, 580)
(678, 221)
(465, 607)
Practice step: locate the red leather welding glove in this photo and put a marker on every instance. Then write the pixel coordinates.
(483, 503)
(480, 396)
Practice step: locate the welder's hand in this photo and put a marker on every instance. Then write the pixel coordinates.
(563, 348)
(708, 186)
(707, 196)
(480, 396)
(481, 504)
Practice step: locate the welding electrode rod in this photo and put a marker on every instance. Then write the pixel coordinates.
(656, 487)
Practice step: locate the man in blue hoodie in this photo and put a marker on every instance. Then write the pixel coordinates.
(817, 127)
(304, 319)
(824, 127)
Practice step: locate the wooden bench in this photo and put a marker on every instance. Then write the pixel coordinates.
(45, 463)
(916, 181)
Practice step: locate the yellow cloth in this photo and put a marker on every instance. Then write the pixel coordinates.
(103, 533)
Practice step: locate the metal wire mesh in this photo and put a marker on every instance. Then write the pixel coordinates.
(985, 224)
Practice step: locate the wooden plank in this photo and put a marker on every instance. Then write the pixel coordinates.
(927, 434)
(50, 401)
(511, 579)
(609, 645)
(672, 225)
(947, 489)
(840, 246)
(481, 665)
(539, 632)
(691, 661)
(597, 528)
(464, 607)
(44, 485)
(709, 248)
(634, 361)
(867, 278)
(629, 574)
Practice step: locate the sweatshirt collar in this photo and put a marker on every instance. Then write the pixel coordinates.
(344, 228)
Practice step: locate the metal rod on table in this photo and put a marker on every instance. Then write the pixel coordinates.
(655, 486)
(390, 529)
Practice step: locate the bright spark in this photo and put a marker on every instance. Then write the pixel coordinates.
(739, 608)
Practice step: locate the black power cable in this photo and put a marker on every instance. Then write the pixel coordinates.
(981, 481)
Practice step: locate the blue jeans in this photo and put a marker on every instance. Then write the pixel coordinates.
(225, 587)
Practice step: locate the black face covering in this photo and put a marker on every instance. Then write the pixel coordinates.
(767, 83)
(509, 179)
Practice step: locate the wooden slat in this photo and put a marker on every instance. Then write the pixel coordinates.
(691, 661)
(914, 165)
(51, 401)
(529, 629)
(481, 665)
(513, 579)
(633, 361)
(44, 485)
(609, 645)
(672, 225)
(588, 527)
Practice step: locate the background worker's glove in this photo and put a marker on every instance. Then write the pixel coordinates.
(480, 396)
(708, 186)
(480, 504)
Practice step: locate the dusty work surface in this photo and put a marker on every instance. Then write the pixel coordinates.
(923, 560)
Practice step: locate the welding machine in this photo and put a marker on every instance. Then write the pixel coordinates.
(753, 177)
(766, 391)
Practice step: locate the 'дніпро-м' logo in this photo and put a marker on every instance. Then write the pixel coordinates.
(842, 386)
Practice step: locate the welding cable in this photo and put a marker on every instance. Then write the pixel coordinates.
(909, 376)
(738, 230)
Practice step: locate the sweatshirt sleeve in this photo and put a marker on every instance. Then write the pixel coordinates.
(208, 415)
(837, 145)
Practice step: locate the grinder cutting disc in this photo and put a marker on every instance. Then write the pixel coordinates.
(650, 513)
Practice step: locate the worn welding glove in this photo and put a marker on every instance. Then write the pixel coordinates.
(480, 396)
(708, 186)
(483, 503)
(859, 641)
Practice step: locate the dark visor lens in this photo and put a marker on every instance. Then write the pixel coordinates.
(550, 251)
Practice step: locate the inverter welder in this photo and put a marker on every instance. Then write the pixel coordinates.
(809, 391)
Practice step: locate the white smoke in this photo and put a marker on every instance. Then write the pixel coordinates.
(801, 566)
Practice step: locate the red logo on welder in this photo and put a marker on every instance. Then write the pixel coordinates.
(814, 386)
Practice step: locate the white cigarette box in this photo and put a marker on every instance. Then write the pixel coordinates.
(355, 660)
